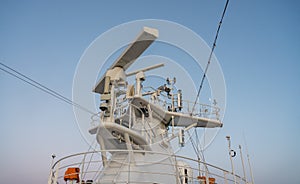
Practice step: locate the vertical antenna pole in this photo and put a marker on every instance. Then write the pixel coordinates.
(244, 172)
(230, 156)
(252, 178)
(51, 169)
(56, 173)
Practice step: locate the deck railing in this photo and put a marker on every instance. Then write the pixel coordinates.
(91, 167)
(200, 109)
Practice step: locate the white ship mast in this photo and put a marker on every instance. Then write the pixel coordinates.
(131, 122)
(135, 145)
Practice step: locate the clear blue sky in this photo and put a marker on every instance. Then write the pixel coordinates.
(258, 50)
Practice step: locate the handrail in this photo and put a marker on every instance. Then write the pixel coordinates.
(56, 168)
(201, 110)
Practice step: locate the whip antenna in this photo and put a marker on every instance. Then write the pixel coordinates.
(210, 55)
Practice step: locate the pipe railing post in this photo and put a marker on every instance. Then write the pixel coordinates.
(243, 165)
(230, 156)
(51, 169)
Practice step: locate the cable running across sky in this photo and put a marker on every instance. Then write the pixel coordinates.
(41, 87)
(210, 56)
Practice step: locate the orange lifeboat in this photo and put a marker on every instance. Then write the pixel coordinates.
(72, 173)
(203, 180)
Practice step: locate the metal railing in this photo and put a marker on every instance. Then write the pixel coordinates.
(91, 168)
(200, 110)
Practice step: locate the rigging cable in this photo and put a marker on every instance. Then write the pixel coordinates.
(198, 152)
(210, 56)
(41, 87)
(201, 149)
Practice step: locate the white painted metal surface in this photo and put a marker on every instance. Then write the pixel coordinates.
(132, 131)
(132, 52)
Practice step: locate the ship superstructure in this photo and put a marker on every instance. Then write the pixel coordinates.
(133, 131)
